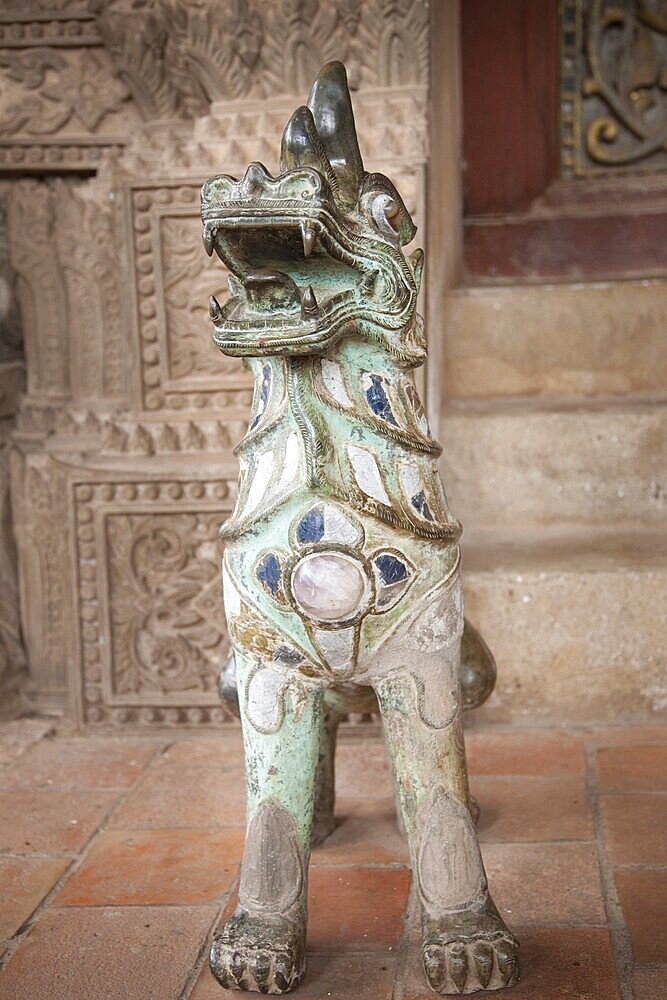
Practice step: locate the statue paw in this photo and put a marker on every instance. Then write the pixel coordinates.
(470, 951)
(263, 954)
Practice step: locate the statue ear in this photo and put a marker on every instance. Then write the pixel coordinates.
(417, 264)
(331, 106)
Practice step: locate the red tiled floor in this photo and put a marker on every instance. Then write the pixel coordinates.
(18, 734)
(328, 977)
(172, 839)
(545, 883)
(221, 752)
(651, 984)
(537, 752)
(356, 909)
(155, 866)
(603, 736)
(362, 771)
(632, 769)
(24, 882)
(50, 822)
(129, 953)
(83, 763)
(634, 828)
(556, 964)
(366, 833)
(173, 793)
(643, 897)
(531, 809)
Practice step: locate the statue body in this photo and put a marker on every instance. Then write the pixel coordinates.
(340, 570)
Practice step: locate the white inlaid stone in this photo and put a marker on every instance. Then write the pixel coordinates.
(230, 594)
(329, 586)
(367, 473)
(290, 467)
(265, 699)
(337, 648)
(334, 383)
(411, 479)
(339, 528)
(261, 473)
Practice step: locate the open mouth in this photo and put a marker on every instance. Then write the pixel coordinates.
(297, 276)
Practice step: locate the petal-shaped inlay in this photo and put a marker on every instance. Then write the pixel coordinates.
(327, 523)
(262, 395)
(367, 473)
(269, 574)
(393, 576)
(311, 526)
(337, 649)
(334, 383)
(377, 397)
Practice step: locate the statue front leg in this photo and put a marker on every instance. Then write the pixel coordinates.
(466, 945)
(262, 945)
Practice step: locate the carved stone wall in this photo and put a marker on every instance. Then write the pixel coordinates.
(111, 116)
(12, 654)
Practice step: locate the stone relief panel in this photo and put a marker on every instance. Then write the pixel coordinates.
(613, 87)
(77, 78)
(115, 112)
(40, 514)
(150, 602)
(173, 279)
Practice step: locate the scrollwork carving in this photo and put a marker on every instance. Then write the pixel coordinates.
(153, 657)
(614, 86)
(166, 637)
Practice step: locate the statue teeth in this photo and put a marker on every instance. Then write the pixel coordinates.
(214, 309)
(208, 237)
(309, 237)
(309, 304)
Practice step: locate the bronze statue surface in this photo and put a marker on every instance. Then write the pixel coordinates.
(341, 566)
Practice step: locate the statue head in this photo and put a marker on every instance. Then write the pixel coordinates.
(314, 254)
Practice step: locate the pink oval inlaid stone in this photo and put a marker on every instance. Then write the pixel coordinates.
(328, 586)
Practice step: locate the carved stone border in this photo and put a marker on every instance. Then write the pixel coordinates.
(93, 502)
(220, 392)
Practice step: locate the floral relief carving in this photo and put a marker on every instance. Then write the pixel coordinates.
(167, 628)
(178, 57)
(71, 85)
(152, 633)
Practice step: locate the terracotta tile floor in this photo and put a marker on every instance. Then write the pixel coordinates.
(119, 856)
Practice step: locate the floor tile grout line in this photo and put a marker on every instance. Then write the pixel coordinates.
(160, 749)
(49, 732)
(205, 947)
(621, 945)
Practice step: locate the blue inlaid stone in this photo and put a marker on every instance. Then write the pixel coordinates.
(269, 573)
(378, 400)
(391, 569)
(420, 504)
(311, 527)
(264, 389)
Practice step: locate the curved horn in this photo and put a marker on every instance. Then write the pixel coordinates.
(301, 146)
(331, 107)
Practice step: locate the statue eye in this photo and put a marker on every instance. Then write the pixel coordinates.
(386, 213)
